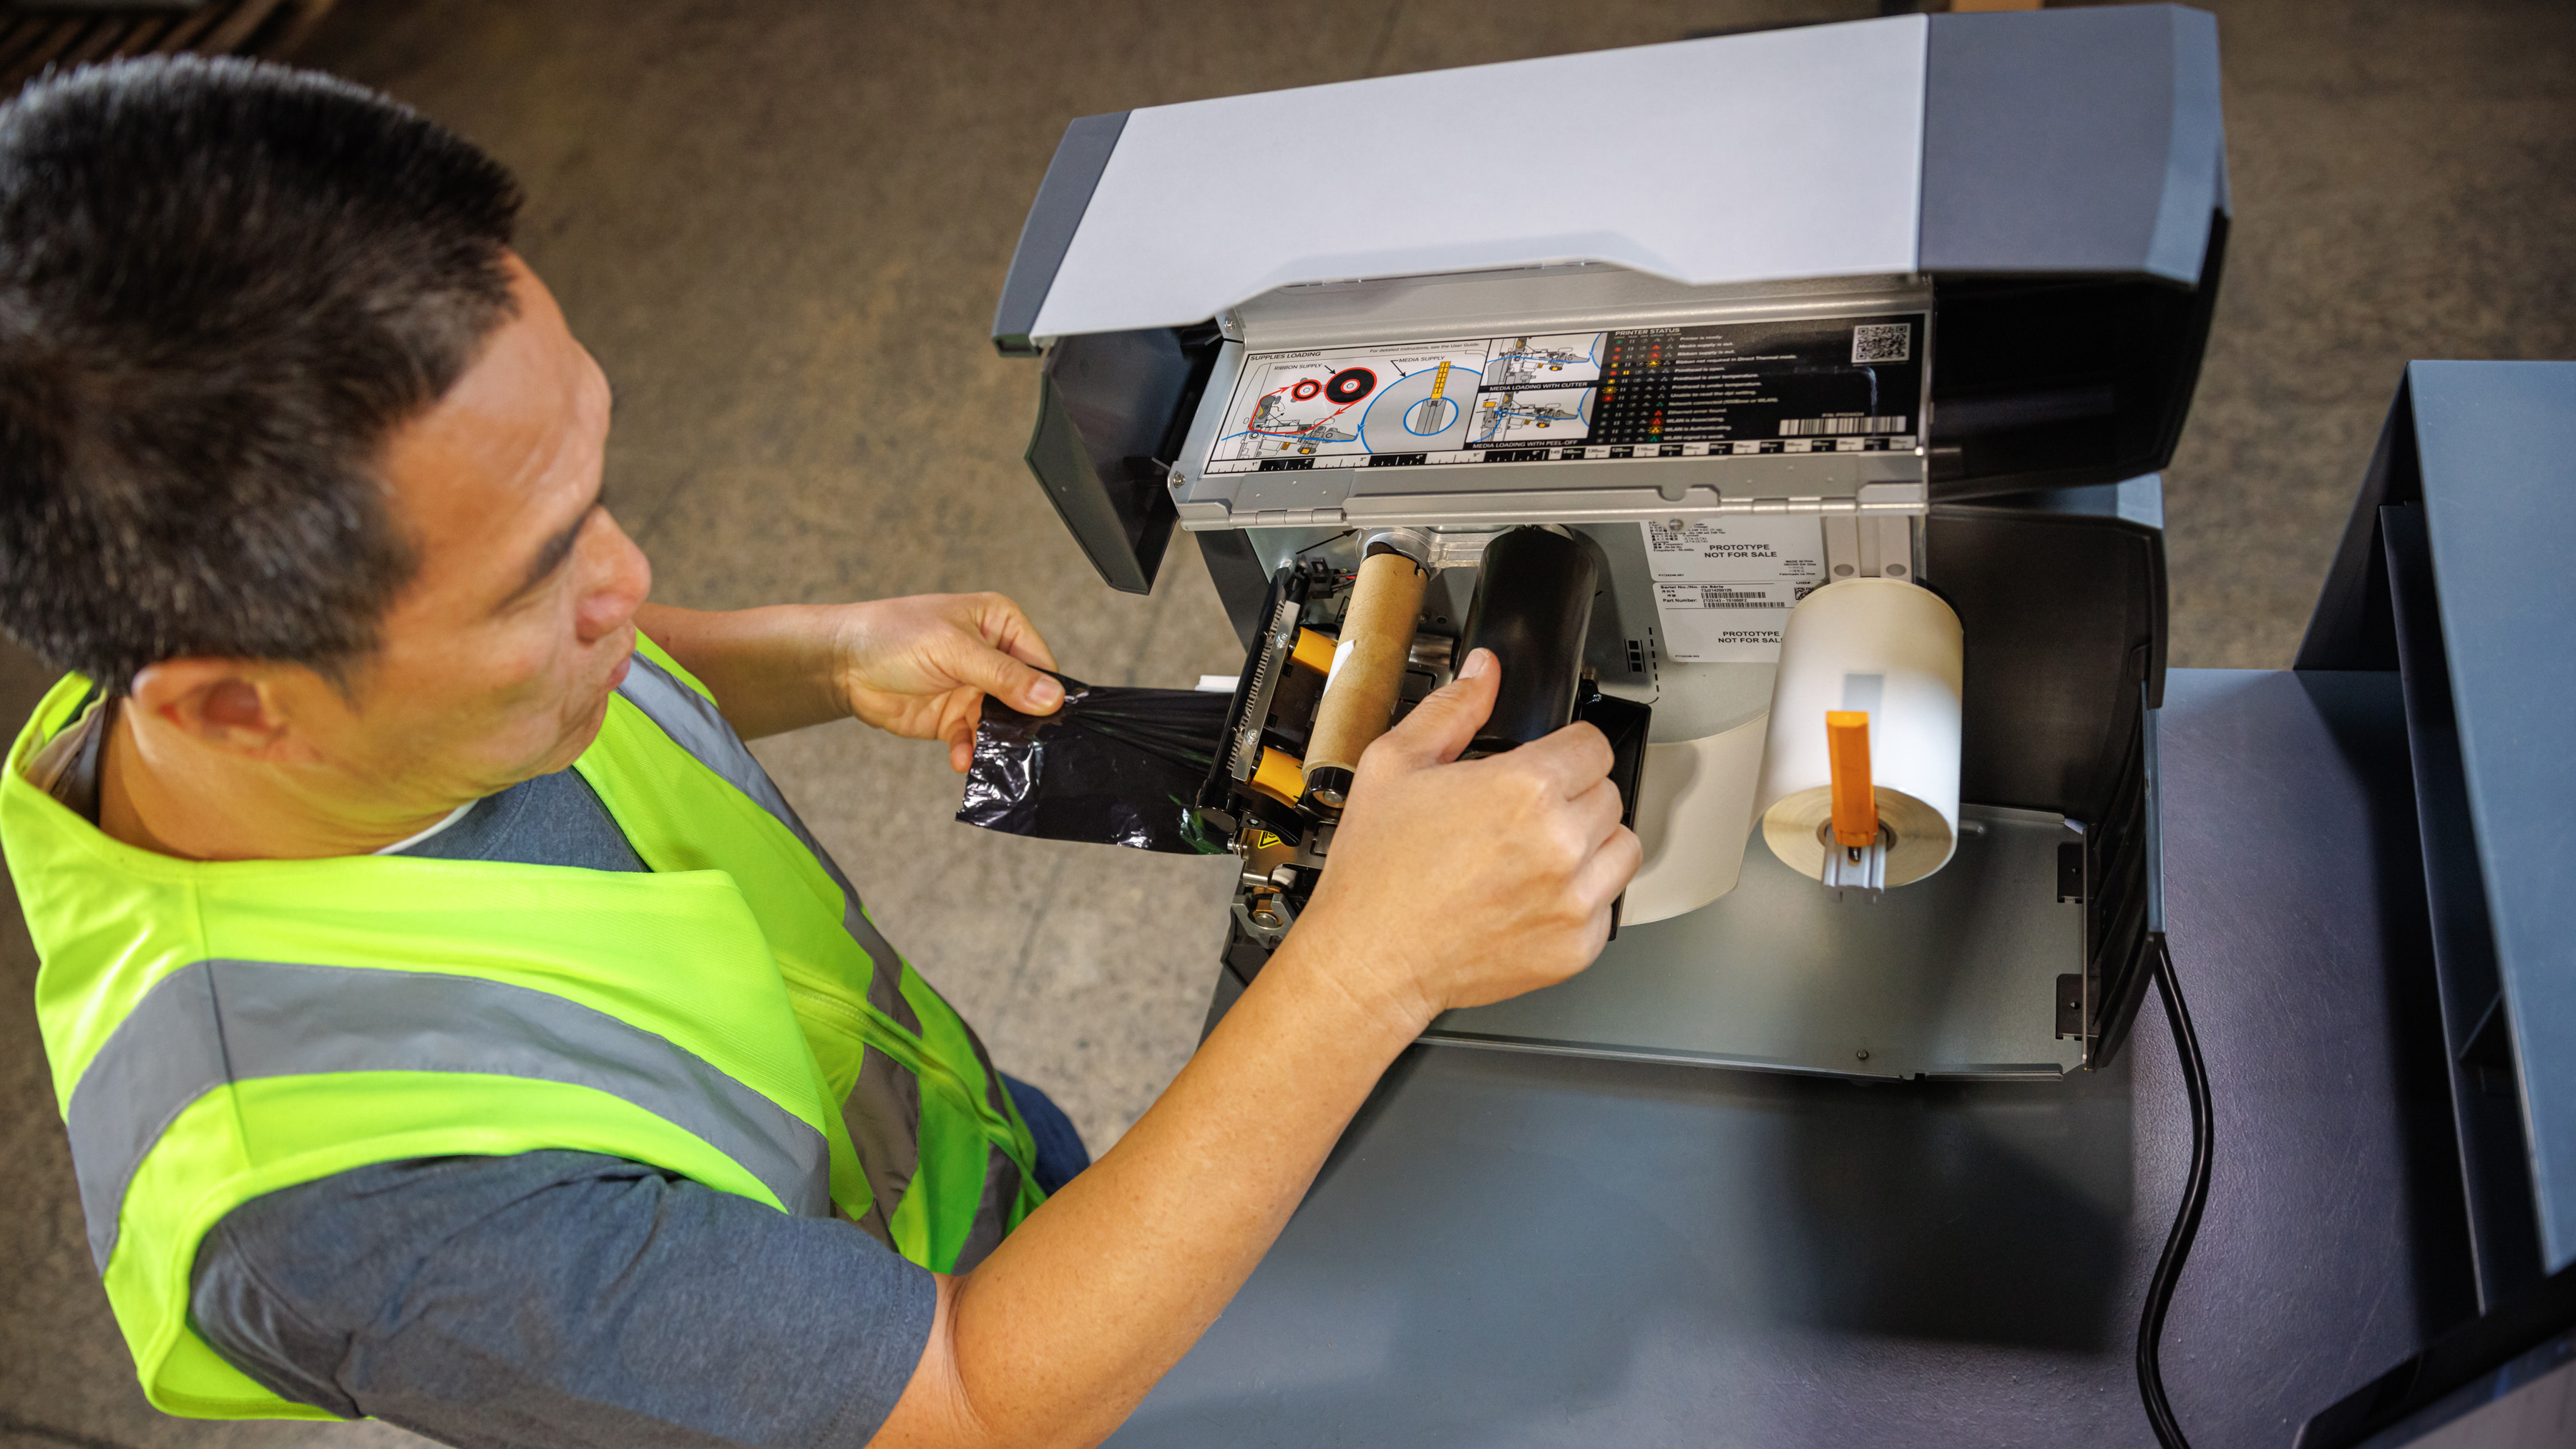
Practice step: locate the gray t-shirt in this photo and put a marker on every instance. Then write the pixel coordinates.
(560, 1298)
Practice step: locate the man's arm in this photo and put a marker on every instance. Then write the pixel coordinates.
(1448, 885)
(918, 667)
(557, 1297)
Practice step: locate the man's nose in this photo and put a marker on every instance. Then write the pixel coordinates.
(622, 579)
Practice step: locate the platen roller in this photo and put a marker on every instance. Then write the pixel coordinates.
(1533, 606)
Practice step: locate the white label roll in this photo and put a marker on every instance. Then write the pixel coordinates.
(1890, 649)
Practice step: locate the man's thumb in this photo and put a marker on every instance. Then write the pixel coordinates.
(1027, 690)
(1441, 726)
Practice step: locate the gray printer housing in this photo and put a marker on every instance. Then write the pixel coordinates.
(2073, 213)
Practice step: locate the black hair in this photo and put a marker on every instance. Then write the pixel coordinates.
(223, 284)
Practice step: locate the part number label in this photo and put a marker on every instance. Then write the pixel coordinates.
(1724, 586)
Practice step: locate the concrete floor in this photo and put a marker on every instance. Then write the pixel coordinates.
(782, 227)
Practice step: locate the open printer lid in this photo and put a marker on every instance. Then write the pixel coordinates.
(2075, 142)
(2045, 191)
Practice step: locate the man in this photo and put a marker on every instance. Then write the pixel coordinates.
(453, 1023)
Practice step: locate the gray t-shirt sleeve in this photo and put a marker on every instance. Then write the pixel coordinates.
(562, 1298)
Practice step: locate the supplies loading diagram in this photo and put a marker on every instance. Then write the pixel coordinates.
(1820, 385)
(1348, 407)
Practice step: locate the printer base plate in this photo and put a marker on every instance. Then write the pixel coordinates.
(1954, 976)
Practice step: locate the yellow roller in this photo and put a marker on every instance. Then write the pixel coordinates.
(1280, 775)
(1314, 651)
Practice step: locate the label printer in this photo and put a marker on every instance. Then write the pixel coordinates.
(1787, 404)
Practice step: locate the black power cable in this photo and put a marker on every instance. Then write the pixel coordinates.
(2160, 1289)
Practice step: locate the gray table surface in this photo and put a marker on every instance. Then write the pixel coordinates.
(1516, 1249)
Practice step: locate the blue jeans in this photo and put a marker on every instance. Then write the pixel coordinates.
(1060, 1150)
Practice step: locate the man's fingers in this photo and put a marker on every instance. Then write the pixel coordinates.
(1576, 757)
(961, 715)
(1598, 810)
(1594, 821)
(1009, 630)
(1028, 648)
(1009, 680)
(1608, 872)
(1443, 724)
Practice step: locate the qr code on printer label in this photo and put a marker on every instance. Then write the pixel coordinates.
(1882, 342)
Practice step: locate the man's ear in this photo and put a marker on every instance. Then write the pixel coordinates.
(232, 704)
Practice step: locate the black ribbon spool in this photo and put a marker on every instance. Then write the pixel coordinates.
(1533, 607)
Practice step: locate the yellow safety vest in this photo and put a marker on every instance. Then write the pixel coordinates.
(223, 1029)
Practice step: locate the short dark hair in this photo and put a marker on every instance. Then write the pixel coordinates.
(223, 284)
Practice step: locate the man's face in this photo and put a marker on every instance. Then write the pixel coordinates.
(497, 661)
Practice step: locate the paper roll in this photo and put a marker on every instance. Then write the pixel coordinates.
(1890, 649)
(1694, 816)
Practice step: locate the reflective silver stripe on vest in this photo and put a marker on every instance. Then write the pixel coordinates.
(1001, 1189)
(883, 1113)
(992, 1211)
(234, 1021)
(695, 725)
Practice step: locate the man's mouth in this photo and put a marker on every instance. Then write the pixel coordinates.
(626, 665)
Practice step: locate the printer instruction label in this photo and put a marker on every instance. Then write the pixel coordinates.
(1724, 586)
(1809, 385)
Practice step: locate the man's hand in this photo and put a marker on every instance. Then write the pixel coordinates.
(920, 667)
(917, 667)
(1456, 884)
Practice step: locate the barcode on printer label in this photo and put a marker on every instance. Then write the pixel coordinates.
(1822, 427)
(1696, 596)
(1882, 342)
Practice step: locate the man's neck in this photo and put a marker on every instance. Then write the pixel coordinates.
(201, 804)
